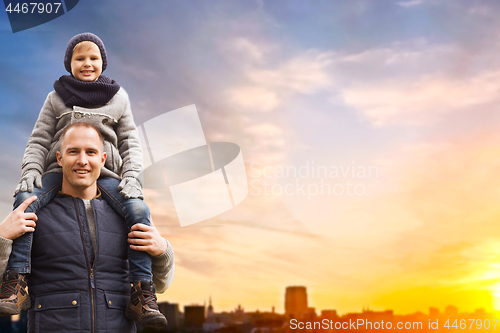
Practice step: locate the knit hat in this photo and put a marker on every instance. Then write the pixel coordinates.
(87, 36)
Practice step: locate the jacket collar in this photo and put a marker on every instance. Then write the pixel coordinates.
(98, 195)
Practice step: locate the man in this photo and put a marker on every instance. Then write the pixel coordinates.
(79, 274)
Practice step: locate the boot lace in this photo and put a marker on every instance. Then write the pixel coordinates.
(8, 288)
(150, 299)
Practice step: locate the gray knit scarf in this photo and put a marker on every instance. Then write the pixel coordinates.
(86, 94)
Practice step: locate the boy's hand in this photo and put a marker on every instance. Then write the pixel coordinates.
(26, 184)
(131, 188)
(17, 223)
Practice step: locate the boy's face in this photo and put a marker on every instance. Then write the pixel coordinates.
(86, 62)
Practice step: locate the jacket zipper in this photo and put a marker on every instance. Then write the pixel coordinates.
(92, 281)
(92, 296)
(92, 284)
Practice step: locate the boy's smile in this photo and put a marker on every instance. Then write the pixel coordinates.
(86, 62)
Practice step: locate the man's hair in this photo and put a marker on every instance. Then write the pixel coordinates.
(76, 125)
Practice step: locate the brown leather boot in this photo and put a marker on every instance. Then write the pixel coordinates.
(143, 307)
(14, 294)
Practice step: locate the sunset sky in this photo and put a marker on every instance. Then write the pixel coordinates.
(397, 100)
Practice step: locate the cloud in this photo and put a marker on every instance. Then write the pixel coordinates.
(450, 188)
(265, 129)
(437, 227)
(266, 88)
(254, 98)
(304, 74)
(267, 85)
(198, 265)
(269, 135)
(415, 82)
(404, 83)
(424, 99)
(411, 3)
(253, 50)
(482, 10)
(268, 227)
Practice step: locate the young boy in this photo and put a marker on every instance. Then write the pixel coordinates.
(88, 96)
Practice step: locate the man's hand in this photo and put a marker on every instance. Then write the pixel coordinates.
(131, 188)
(32, 176)
(146, 238)
(17, 223)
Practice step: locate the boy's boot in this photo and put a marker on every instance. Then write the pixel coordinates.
(14, 294)
(143, 308)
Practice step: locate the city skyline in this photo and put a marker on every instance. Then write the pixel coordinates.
(431, 310)
(298, 315)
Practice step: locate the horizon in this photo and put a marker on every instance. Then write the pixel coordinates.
(364, 309)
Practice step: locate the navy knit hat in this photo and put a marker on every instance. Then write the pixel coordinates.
(87, 36)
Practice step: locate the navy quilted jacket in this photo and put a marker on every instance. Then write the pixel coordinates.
(72, 288)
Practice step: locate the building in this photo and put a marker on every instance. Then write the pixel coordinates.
(309, 314)
(172, 313)
(480, 313)
(451, 311)
(433, 312)
(295, 301)
(329, 314)
(210, 308)
(194, 316)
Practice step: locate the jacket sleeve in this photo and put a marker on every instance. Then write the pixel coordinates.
(163, 269)
(129, 144)
(5, 249)
(39, 142)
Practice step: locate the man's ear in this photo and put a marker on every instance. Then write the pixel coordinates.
(59, 158)
(103, 159)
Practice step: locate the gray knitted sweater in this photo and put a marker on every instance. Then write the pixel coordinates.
(115, 122)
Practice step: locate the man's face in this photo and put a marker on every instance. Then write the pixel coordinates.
(81, 158)
(86, 62)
